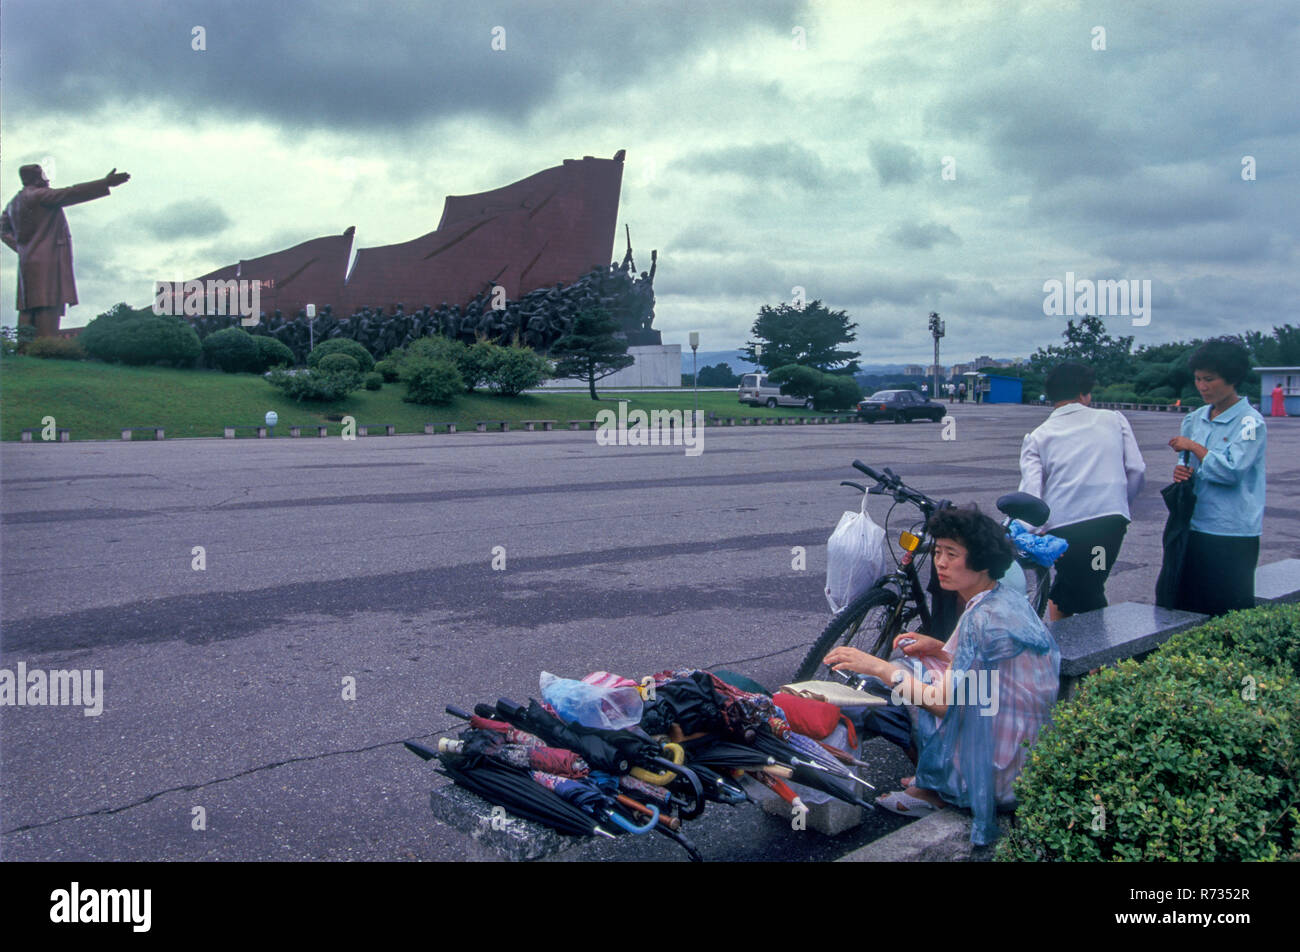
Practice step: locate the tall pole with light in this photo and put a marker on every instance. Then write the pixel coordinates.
(695, 373)
(936, 331)
(311, 327)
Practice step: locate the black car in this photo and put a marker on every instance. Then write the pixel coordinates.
(900, 406)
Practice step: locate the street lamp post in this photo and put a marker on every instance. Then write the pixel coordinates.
(695, 373)
(937, 328)
(311, 327)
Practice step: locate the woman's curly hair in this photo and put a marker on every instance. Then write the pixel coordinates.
(986, 543)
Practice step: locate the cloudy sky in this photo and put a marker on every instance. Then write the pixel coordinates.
(890, 158)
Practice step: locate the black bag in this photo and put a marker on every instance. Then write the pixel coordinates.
(1180, 500)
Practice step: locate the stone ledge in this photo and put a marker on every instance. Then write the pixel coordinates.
(941, 837)
(1278, 582)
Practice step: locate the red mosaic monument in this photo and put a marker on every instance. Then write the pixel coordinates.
(546, 229)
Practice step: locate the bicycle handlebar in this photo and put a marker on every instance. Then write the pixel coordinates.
(892, 484)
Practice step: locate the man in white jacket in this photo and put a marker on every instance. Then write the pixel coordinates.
(1086, 465)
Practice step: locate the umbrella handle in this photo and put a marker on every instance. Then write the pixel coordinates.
(697, 789)
(664, 777)
(630, 827)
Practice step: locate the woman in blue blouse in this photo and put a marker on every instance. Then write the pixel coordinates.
(1226, 437)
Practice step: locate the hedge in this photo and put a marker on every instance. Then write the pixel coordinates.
(1191, 754)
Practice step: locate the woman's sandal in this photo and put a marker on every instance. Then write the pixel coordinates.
(904, 804)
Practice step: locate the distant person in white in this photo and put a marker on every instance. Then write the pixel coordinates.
(1086, 465)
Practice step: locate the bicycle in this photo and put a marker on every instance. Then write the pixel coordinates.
(896, 602)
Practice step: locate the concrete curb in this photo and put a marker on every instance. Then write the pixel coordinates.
(941, 837)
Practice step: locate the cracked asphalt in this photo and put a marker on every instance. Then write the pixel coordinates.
(372, 560)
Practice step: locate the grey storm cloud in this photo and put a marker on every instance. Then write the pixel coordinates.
(321, 64)
(192, 218)
(895, 163)
(781, 162)
(922, 236)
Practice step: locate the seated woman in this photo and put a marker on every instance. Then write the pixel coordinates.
(973, 701)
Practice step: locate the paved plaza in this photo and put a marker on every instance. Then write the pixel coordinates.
(372, 560)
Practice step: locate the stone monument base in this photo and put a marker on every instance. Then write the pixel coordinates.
(657, 365)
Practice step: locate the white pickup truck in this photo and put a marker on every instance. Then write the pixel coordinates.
(756, 391)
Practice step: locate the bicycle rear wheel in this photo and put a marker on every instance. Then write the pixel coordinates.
(863, 625)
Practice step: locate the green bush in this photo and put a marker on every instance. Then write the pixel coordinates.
(272, 352)
(314, 385)
(477, 364)
(342, 345)
(338, 363)
(515, 369)
(430, 380)
(55, 348)
(388, 369)
(846, 392)
(140, 337)
(233, 350)
(1191, 754)
(829, 391)
(374, 381)
(1268, 635)
(1165, 394)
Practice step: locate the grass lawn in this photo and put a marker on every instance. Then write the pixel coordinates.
(95, 400)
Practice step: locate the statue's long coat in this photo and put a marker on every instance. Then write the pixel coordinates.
(33, 224)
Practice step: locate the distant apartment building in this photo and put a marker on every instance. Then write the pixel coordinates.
(982, 361)
(913, 370)
(939, 369)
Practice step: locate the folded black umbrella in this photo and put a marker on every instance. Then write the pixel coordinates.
(612, 751)
(520, 794)
(1180, 500)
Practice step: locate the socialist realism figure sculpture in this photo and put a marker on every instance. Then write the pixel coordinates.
(33, 225)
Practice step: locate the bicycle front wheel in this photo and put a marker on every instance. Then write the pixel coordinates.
(868, 623)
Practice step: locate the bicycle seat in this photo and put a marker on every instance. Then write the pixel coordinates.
(1024, 507)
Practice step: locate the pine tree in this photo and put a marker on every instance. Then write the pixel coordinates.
(589, 351)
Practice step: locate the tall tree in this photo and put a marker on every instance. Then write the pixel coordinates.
(1088, 343)
(808, 335)
(589, 351)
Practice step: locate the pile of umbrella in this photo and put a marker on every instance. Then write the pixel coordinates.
(694, 741)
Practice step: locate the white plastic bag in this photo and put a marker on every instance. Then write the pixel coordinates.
(855, 557)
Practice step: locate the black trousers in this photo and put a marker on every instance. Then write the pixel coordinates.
(1218, 573)
(1078, 586)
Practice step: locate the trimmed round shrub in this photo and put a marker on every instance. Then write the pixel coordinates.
(342, 345)
(232, 350)
(374, 381)
(316, 385)
(55, 348)
(272, 352)
(515, 369)
(388, 369)
(338, 363)
(430, 380)
(824, 399)
(1189, 755)
(126, 336)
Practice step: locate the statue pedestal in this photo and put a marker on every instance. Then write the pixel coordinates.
(657, 365)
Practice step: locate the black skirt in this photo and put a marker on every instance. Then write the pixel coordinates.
(1218, 573)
